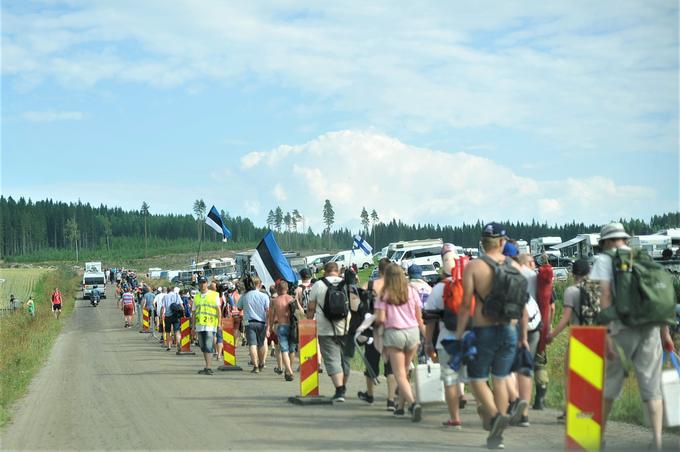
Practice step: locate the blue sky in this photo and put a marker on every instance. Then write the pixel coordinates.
(430, 112)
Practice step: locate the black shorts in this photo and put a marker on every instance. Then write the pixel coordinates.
(373, 358)
(170, 323)
(56, 307)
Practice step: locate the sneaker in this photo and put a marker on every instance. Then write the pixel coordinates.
(338, 397)
(205, 371)
(518, 411)
(289, 377)
(365, 397)
(256, 370)
(278, 371)
(455, 424)
(262, 367)
(562, 418)
(524, 422)
(416, 412)
(391, 405)
(210, 371)
(495, 438)
(462, 402)
(399, 412)
(167, 349)
(320, 369)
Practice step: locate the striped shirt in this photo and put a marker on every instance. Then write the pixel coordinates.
(128, 298)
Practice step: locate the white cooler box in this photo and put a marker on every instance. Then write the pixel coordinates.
(670, 387)
(429, 386)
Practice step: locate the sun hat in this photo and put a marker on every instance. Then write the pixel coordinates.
(613, 231)
(494, 229)
(415, 271)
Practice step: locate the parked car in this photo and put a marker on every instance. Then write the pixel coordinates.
(561, 273)
(430, 274)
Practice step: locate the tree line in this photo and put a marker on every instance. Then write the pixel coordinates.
(27, 227)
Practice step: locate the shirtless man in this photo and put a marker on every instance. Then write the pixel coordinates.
(496, 338)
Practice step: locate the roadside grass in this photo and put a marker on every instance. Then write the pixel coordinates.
(19, 282)
(26, 342)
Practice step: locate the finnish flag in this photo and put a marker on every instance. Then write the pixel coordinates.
(361, 244)
(214, 220)
(270, 263)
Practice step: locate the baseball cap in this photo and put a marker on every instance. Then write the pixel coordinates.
(510, 250)
(415, 271)
(494, 229)
(202, 279)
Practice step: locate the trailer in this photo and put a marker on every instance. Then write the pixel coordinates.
(542, 245)
(654, 244)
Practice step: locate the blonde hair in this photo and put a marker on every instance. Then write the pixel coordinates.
(395, 286)
(491, 243)
(282, 287)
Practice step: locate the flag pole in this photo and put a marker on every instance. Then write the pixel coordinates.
(200, 241)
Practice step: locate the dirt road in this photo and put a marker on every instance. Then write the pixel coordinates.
(105, 387)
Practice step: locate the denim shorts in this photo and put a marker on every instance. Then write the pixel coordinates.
(219, 335)
(255, 333)
(496, 348)
(282, 332)
(205, 341)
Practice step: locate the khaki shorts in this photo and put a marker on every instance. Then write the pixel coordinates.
(449, 376)
(403, 340)
(642, 346)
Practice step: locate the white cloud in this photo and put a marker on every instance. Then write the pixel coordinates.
(365, 168)
(52, 116)
(279, 193)
(550, 69)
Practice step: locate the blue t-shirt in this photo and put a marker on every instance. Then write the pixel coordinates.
(148, 300)
(254, 304)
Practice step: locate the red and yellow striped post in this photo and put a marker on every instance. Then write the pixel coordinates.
(309, 366)
(228, 345)
(185, 337)
(145, 321)
(585, 382)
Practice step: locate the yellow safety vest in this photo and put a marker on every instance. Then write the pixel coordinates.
(206, 309)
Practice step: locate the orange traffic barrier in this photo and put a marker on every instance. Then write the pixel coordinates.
(309, 366)
(585, 382)
(228, 345)
(185, 339)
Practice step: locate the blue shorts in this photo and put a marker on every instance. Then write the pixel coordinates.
(205, 341)
(282, 332)
(496, 348)
(256, 333)
(219, 336)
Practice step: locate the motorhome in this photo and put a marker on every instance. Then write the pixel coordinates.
(421, 255)
(582, 246)
(223, 266)
(93, 267)
(349, 258)
(544, 245)
(653, 244)
(396, 246)
(155, 272)
(674, 234)
(523, 247)
(243, 265)
(170, 275)
(94, 280)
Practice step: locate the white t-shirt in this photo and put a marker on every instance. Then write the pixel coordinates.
(435, 302)
(532, 306)
(531, 278)
(159, 303)
(323, 325)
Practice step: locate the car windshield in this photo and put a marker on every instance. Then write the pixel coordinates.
(397, 255)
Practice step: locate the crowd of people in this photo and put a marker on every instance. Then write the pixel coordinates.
(488, 322)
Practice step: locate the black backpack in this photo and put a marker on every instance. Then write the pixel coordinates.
(336, 302)
(508, 294)
(294, 326)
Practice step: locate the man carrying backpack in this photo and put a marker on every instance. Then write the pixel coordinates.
(639, 345)
(500, 292)
(329, 304)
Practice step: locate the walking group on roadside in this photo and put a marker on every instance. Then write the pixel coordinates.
(488, 323)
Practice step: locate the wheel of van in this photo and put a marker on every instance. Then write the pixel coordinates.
(436, 265)
(366, 265)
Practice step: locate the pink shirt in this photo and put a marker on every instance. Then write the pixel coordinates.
(402, 316)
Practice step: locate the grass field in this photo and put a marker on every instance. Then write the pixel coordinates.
(18, 281)
(26, 341)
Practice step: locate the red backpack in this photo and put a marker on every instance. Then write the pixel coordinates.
(453, 295)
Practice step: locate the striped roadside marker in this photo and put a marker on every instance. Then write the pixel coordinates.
(309, 367)
(228, 346)
(145, 321)
(585, 383)
(185, 337)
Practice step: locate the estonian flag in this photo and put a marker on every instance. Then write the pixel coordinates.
(214, 220)
(361, 244)
(270, 263)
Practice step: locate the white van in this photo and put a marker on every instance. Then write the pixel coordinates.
(392, 248)
(348, 258)
(92, 280)
(421, 255)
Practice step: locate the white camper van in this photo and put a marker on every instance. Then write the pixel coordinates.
(543, 245)
(654, 244)
(94, 280)
(421, 255)
(397, 246)
(348, 258)
(93, 267)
